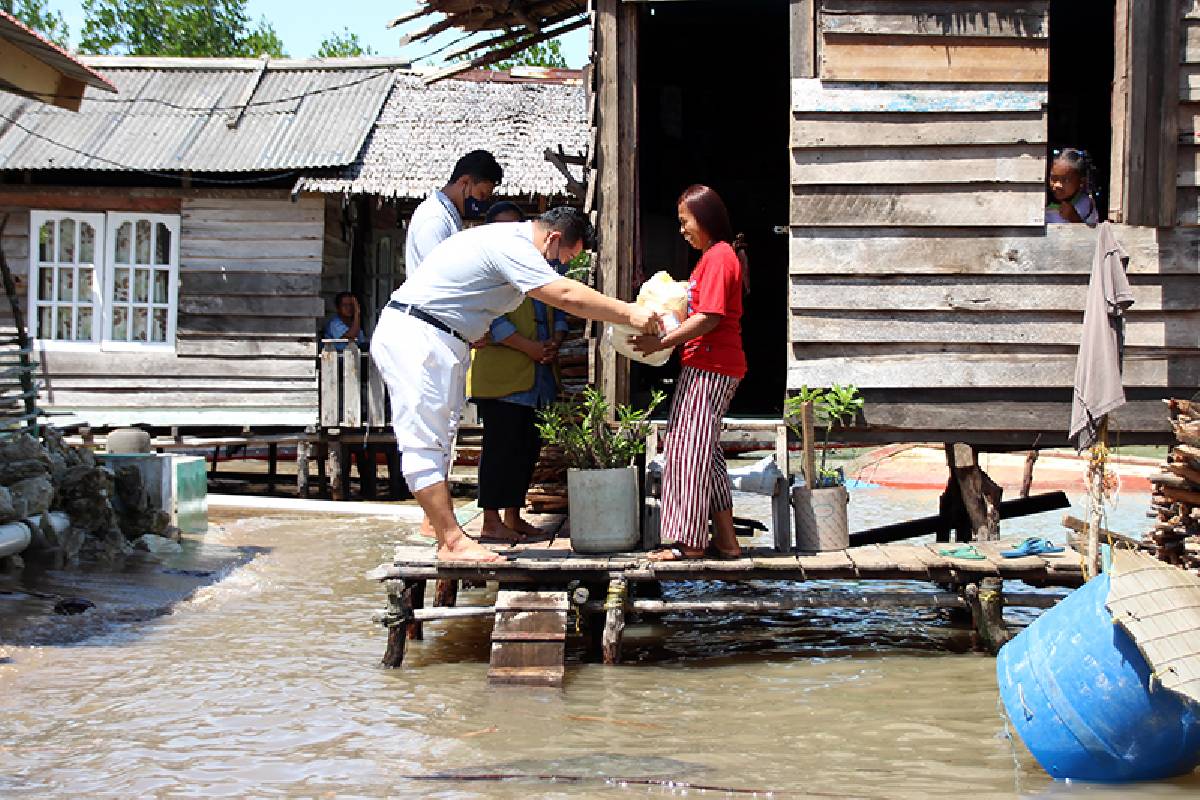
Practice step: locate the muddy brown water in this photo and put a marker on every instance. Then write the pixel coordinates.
(263, 682)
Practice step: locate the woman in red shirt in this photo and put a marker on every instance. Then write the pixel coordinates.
(695, 484)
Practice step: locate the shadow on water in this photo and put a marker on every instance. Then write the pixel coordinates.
(141, 589)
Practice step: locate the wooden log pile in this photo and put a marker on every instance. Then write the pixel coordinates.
(1175, 535)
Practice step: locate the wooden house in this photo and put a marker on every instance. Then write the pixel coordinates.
(887, 160)
(177, 245)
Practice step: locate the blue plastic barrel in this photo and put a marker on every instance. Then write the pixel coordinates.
(1078, 692)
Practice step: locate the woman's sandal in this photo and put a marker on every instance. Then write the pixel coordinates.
(968, 552)
(672, 553)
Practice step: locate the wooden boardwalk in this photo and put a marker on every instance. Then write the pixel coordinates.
(543, 583)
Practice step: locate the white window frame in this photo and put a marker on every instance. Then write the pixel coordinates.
(36, 220)
(114, 221)
(104, 270)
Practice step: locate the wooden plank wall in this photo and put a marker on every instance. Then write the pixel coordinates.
(249, 306)
(921, 269)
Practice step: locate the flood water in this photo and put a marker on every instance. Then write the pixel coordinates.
(264, 683)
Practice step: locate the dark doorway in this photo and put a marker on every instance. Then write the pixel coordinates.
(714, 95)
(1081, 75)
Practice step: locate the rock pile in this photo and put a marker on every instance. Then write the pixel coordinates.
(1175, 537)
(73, 507)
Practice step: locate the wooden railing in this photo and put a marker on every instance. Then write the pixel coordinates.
(352, 390)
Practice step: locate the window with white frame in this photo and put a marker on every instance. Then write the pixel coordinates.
(104, 279)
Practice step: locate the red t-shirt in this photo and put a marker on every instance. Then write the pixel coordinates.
(716, 288)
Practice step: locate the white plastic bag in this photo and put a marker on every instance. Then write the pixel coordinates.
(666, 297)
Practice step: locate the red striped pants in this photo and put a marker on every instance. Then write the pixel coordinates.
(695, 482)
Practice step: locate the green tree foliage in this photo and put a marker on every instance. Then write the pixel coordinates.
(543, 54)
(36, 15)
(175, 28)
(343, 45)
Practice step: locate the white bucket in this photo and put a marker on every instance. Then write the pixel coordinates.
(821, 521)
(603, 509)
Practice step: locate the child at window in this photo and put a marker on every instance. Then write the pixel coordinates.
(1071, 198)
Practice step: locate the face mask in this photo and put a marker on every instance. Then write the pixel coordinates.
(557, 265)
(473, 208)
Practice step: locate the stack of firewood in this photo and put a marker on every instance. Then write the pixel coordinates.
(1175, 537)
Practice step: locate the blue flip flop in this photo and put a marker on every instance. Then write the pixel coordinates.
(1033, 546)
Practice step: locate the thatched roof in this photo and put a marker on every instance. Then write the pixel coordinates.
(423, 129)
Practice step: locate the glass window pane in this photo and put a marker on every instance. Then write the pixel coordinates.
(85, 285)
(143, 241)
(45, 322)
(140, 332)
(162, 244)
(141, 286)
(66, 241)
(66, 284)
(122, 243)
(158, 331)
(84, 331)
(63, 329)
(161, 276)
(87, 244)
(121, 285)
(120, 324)
(46, 242)
(45, 283)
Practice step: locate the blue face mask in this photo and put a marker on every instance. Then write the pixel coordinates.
(557, 265)
(474, 208)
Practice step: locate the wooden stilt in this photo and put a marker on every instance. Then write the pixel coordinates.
(980, 494)
(986, 601)
(396, 619)
(302, 458)
(368, 463)
(952, 516)
(416, 631)
(336, 466)
(272, 466)
(1091, 555)
(1027, 479)
(397, 488)
(614, 620)
(445, 593)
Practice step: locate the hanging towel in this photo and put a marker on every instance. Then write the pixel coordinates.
(1098, 387)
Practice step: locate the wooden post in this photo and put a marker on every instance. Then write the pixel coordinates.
(396, 619)
(302, 456)
(272, 465)
(986, 601)
(445, 593)
(352, 399)
(808, 465)
(336, 468)
(368, 464)
(416, 631)
(330, 414)
(614, 620)
(782, 456)
(1091, 565)
(980, 494)
(1027, 479)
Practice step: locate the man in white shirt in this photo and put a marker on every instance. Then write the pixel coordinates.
(466, 196)
(421, 341)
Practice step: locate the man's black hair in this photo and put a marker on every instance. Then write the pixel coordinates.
(480, 165)
(337, 298)
(572, 224)
(503, 207)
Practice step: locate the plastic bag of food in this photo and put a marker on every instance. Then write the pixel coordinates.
(666, 297)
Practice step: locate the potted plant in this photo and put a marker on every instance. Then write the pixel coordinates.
(602, 481)
(820, 509)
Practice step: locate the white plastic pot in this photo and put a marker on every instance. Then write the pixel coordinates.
(821, 520)
(603, 509)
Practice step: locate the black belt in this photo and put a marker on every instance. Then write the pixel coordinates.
(428, 319)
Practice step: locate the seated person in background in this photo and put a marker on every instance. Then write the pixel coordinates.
(1071, 188)
(510, 379)
(346, 323)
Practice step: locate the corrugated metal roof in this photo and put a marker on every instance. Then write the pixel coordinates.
(173, 117)
(424, 129)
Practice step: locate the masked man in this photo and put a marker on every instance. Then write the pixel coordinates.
(439, 216)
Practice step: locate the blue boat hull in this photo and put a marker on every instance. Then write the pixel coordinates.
(1076, 690)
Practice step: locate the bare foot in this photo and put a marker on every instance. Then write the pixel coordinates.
(427, 528)
(674, 553)
(526, 528)
(464, 548)
(500, 533)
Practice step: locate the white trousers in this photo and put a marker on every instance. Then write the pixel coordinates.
(425, 370)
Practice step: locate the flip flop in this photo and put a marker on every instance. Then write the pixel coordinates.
(676, 554)
(967, 552)
(1033, 546)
